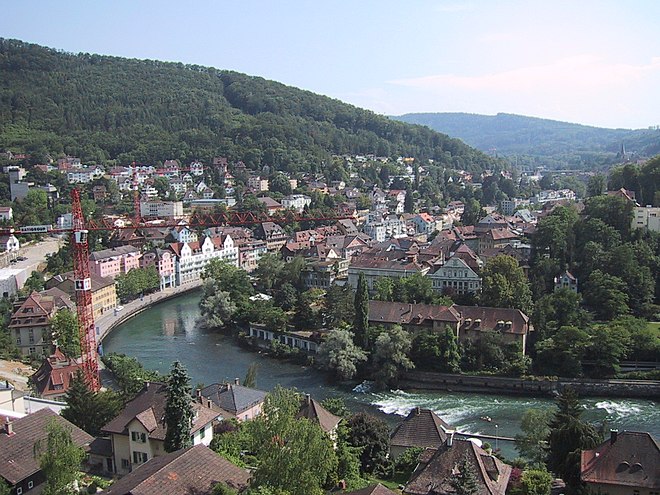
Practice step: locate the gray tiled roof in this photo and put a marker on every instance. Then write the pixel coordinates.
(233, 398)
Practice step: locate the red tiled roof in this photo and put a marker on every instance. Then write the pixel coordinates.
(629, 458)
(195, 470)
(17, 459)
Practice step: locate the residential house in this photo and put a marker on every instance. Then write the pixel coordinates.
(194, 470)
(197, 168)
(138, 432)
(375, 268)
(114, 261)
(313, 411)
(304, 340)
(53, 378)
(30, 325)
(627, 462)
(84, 175)
(183, 233)
(455, 276)
(436, 468)
(566, 280)
(497, 238)
(165, 262)
(322, 273)
(249, 254)
(235, 400)
(347, 227)
(273, 234)
(104, 292)
(6, 213)
(421, 428)
(9, 243)
(646, 217)
(425, 223)
(271, 205)
(19, 467)
(257, 184)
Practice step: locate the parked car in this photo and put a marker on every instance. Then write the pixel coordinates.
(21, 258)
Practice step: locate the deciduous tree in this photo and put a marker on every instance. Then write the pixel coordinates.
(390, 356)
(59, 459)
(339, 354)
(504, 284)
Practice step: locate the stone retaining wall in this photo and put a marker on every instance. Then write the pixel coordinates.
(419, 380)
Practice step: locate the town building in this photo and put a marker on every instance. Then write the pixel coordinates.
(6, 213)
(115, 261)
(467, 322)
(375, 268)
(161, 209)
(273, 234)
(19, 466)
(192, 257)
(9, 243)
(455, 276)
(104, 292)
(270, 204)
(313, 411)
(30, 323)
(296, 202)
(165, 262)
(138, 432)
(304, 340)
(257, 184)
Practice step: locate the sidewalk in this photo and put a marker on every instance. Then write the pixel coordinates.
(109, 321)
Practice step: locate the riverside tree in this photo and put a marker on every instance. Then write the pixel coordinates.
(534, 427)
(339, 354)
(178, 409)
(505, 284)
(390, 356)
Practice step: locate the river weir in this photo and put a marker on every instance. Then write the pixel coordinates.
(170, 331)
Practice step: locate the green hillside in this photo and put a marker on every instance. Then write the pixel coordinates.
(552, 142)
(104, 108)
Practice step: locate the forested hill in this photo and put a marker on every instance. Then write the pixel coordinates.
(518, 135)
(101, 108)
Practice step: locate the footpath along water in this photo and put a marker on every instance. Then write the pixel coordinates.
(169, 332)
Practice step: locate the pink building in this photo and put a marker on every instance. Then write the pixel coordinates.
(164, 262)
(115, 261)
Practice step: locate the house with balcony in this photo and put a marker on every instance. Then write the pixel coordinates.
(138, 432)
(273, 234)
(114, 261)
(104, 292)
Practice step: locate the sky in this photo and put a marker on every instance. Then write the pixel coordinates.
(594, 62)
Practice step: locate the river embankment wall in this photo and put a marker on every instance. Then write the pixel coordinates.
(419, 380)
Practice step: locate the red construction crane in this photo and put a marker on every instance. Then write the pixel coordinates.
(79, 232)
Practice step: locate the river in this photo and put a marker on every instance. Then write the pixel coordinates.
(169, 332)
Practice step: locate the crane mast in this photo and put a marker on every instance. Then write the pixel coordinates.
(83, 286)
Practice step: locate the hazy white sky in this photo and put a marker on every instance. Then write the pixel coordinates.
(585, 61)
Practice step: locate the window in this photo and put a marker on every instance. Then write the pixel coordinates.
(30, 484)
(140, 457)
(125, 464)
(19, 491)
(202, 432)
(136, 436)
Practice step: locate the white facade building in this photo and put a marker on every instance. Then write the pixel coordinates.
(161, 209)
(193, 257)
(296, 201)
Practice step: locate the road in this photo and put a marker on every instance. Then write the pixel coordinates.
(34, 252)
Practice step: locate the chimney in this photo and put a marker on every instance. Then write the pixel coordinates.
(614, 434)
(308, 399)
(209, 403)
(237, 381)
(418, 410)
(9, 427)
(450, 438)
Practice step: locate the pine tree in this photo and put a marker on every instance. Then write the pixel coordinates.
(569, 435)
(251, 376)
(78, 399)
(409, 202)
(464, 481)
(178, 409)
(362, 313)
